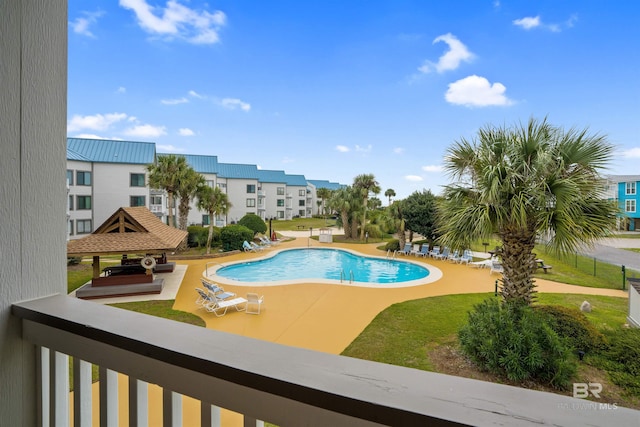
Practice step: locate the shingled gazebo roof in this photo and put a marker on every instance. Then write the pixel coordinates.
(128, 230)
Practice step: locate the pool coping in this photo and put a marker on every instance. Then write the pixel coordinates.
(211, 268)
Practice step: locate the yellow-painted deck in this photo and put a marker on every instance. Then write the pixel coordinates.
(315, 316)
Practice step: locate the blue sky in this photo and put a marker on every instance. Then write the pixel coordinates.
(334, 89)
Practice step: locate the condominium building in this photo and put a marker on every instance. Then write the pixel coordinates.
(624, 189)
(104, 175)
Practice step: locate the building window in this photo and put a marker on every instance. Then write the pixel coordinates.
(280, 191)
(137, 201)
(83, 178)
(70, 227)
(69, 177)
(210, 183)
(301, 212)
(630, 206)
(83, 202)
(280, 202)
(301, 203)
(251, 203)
(280, 214)
(630, 188)
(251, 188)
(70, 203)
(302, 193)
(223, 186)
(205, 219)
(83, 226)
(155, 200)
(137, 180)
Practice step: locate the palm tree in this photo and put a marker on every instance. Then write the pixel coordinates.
(164, 175)
(366, 183)
(215, 202)
(395, 219)
(189, 182)
(525, 182)
(323, 194)
(389, 193)
(340, 202)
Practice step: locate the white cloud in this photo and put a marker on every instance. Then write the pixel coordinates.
(451, 59)
(432, 168)
(81, 24)
(95, 122)
(342, 148)
(233, 104)
(632, 153)
(366, 149)
(186, 132)
(475, 91)
(398, 150)
(528, 23)
(169, 148)
(177, 101)
(121, 89)
(146, 131)
(178, 21)
(196, 94)
(413, 178)
(94, 136)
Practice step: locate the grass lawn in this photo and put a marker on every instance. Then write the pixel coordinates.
(422, 334)
(300, 224)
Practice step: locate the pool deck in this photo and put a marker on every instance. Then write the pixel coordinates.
(318, 316)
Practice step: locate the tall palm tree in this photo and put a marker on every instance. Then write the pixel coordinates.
(395, 219)
(389, 193)
(340, 202)
(323, 194)
(164, 175)
(189, 182)
(524, 182)
(366, 183)
(215, 202)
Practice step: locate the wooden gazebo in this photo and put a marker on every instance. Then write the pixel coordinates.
(141, 239)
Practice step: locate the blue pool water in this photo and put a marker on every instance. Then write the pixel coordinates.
(298, 264)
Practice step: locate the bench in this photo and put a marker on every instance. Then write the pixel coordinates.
(543, 266)
(301, 227)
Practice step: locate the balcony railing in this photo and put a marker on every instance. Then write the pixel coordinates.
(263, 381)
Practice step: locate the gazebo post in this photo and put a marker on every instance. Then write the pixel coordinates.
(96, 266)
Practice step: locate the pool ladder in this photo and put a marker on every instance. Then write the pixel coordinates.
(351, 278)
(391, 255)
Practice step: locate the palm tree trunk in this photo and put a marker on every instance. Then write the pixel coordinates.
(210, 236)
(518, 262)
(170, 209)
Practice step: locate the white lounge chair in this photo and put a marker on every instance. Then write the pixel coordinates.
(254, 302)
(247, 247)
(256, 246)
(444, 254)
(219, 308)
(416, 249)
(424, 250)
(217, 291)
(406, 250)
(496, 267)
(434, 252)
(455, 256)
(466, 257)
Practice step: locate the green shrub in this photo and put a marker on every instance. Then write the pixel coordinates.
(513, 340)
(253, 222)
(392, 245)
(74, 260)
(622, 359)
(572, 325)
(374, 231)
(197, 236)
(232, 236)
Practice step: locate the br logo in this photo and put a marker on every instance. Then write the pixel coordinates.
(582, 390)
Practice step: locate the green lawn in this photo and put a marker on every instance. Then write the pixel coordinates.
(297, 224)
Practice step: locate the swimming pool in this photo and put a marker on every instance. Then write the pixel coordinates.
(322, 265)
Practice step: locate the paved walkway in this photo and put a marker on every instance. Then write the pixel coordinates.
(612, 250)
(319, 317)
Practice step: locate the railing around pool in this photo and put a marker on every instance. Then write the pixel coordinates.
(284, 385)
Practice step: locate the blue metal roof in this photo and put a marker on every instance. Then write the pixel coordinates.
(234, 170)
(199, 163)
(72, 155)
(318, 183)
(298, 180)
(111, 151)
(271, 176)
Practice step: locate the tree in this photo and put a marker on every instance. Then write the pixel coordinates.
(389, 193)
(215, 202)
(420, 213)
(189, 181)
(374, 203)
(365, 183)
(323, 194)
(395, 216)
(348, 203)
(253, 222)
(524, 182)
(164, 175)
